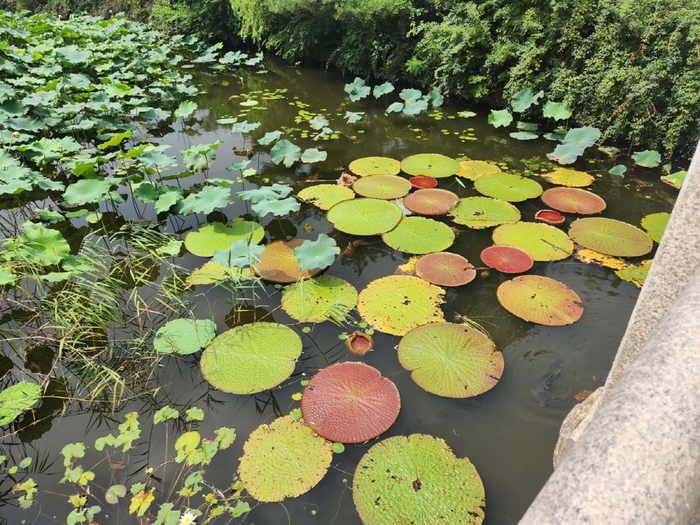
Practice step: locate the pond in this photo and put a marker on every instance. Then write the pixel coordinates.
(508, 432)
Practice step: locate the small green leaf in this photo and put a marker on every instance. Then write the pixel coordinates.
(466, 114)
(194, 414)
(618, 170)
(165, 413)
(296, 396)
(25, 462)
(114, 493)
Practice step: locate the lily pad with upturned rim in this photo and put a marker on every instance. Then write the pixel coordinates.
(251, 358)
(419, 235)
(474, 169)
(507, 259)
(325, 196)
(283, 460)
(320, 299)
(445, 269)
(398, 303)
(484, 212)
(16, 399)
(451, 360)
(417, 479)
(184, 336)
(549, 217)
(364, 216)
(218, 236)
(540, 300)
(573, 200)
(359, 343)
(350, 403)
(423, 181)
(655, 224)
(375, 166)
(569, 177)
(611, 237)
(430, 164)
(508, 187)
(277, 263)
(385, 187)
(431, 201)
(542, 241)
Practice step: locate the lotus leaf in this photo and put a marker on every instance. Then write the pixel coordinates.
(244, 127)
(270, 137)
(251, 358)
(285, 152)
(169, 195)
(312, 155)
(217, 236)
(655, 224)
(523, 99)
(618, 170)
(325, 196)
(200, 157)
(204, 201)
(636, 273)
(647, 158)
(357, 90)
(507, 259)
(419, 235)
(523, 135)
(568, 177)
(396, 107)
(473, 169)
(574, 144)
(184, 336)
(556, 110)
(507, 187)
(88, 191)
(434, 97)
(385, 187)
(415, 108)
(352, 117)
(500, 118)
(382, 89)
(318, 122)
(573, 200)
(484, 212)
(185, 109)
(675, 179)
(279, 265)
(241, 253)
(409, 95)
(364, 216)
(610, 237)
(146, 193)
(540, 300)
(445, 269)
(375, 166)
(276, 207)
(431, 164)
(37, 245)
(417, 479)
(317, 254)
(398, 303)
(283, 460)
(319, 299)
(274, 192)
(16, 399)
(430, 201)
(541, 241)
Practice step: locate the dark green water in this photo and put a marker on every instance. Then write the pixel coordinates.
(505, 432)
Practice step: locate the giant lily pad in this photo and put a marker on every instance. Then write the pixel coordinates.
(218, 236)
(573, 200)
(431, 164)
(350, 403)
(386, 187)
(375, 166)
(431, 201)
(540, 300)
(474, 169)
(320, 299)
(398, 303)
(325, 196)
(610, 237)
(419, 235)
(283, 460)
(365, 216)
(484, 212)
(16, 399)
(569, 177)
(507, 187)
(278, 264)
(445, 269)
(541, 241)
(451, 360)
(184, 336)
(655, 224)
(251, 358)
(507, 259)
(635, 273)
(417, 479)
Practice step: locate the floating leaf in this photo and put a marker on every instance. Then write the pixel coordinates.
(419, 235)
(573, 200)
(500, 118)
(525, 98)
(320, 299)
(593, 257)
(375, 166)
(114, 493)
(414, 108)
(430, 201)
(279, 265)
(409, 95)
(655, 224)
(635, 274)
(244, 127)
(473, 169)
(359, 343)
(556, 110)
(209, 273)
(484, 212)
(285, 152)
(540, 300)
(417, 479)
(357, 90)
(507, 259)
(507, 187)
(16, 399)
(185, 109)
(549, 217)
(325, 196)
(386, 187)
(647, 158)
(283, 460)
(396, 107)
(523, 135)
(364, 216)
(398, 303)
(541, 241)
(317, 254)
(675, 179)
(350, 403)
(569, 177)
(241, 253)
(574, 144)
(431, 164)
(217, 236)
(423, 181)
(251, 358)
(382, 89)
(445, 269)
(466, 114)
(312, 155)
(618, 170)
(276, 207)
(610, 237)
(184, 336)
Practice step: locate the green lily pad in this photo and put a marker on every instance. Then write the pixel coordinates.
(473, 169)
(542, 241)
(218, 236)
(16, 399)
(364, 216)
(610, 237)
(451, 360)
(398, 303)
(251, 358)
(386, 187)
(325, 196)
(445, 269)
(484, 212)
(507, 187)
(417, 479)
(430, 201)
(283, 460)
(569, 177)
(375, 166)
(320, 299)
(573, 200)
(647, 158)
(350, 403)
(655, 224)
(278, 264)
(523, 135)
(430, 164)
(184, 336)
(635, 273)
(540, 300)
(419, 235)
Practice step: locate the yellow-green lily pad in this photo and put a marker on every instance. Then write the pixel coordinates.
(365, 216)
(610, 237)
(320, 299)
(419, 235)
(569, 177)
(430, 164)
(655, 224)
(325, 196)
(386, 187)
(375, 166)
(540, 300)
(474, 169)
(218, 236)
(484, 212)
(635, 273)
(508, 187)
(542, 241)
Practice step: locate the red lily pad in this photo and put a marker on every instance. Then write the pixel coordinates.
(350, 403)
(423, 181)
(507, 259)
(277, 263)
(445, 269)
(432, 201)
(359, 343)
(573, 200)
(540, 300)
(549, 217)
